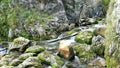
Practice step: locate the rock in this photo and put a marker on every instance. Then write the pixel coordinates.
(96, 40)
(65, 49)
(44, 57)
(98, 45)
(5, 66)
(99, 49)
(72, 31)
(10, 33)
(100, 62)
(31, 62)
(35, 49)
(92, 21)
(100, 30)
(26, 55)
(15, 62)
(41, 30)
(88, 21)
(84, 37)
(49, 59)
(19, 44)
(84, 53)
(59, 61)
(5, 60)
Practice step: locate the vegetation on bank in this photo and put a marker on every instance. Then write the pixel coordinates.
(14, 15)
(105, 4)
(111, 42)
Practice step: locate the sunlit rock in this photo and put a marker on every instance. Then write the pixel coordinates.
(65, 49)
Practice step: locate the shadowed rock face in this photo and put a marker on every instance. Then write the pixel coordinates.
(67, 10)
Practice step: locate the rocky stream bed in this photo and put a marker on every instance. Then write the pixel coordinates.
(59, 33)
(81, 47)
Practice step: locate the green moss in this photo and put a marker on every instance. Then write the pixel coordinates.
(54, 66)
(84, 53)
(43, 56)
(35, 49)
(59, 61)
(84, 37)
(15, 63)
(105, 4)
(25, 56)
(72, 31)
(98, 49)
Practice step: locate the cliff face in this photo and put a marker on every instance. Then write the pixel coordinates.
(112, 52)
(46, 16)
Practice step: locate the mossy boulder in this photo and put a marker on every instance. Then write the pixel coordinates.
(5, 60)
(15, 62)
(31, 62)
(84, 52)
(35, 49)
(5, 66)
(44, 57)
(59, 61)
(19, 44)
(98, 50)
(49, 59)
(26, 55)
(98, 46)
(84, 37)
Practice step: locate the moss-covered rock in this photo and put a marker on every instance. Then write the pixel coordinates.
(6, 60)
(49, 59)
(15, 62)
(44, 57)
(98, 50)
(35, 49)
(31, 62)
(59, 61)
(84, 52)
(5, 66)
(19, 44)
(84, 37)
(25, 56)
(98, 46)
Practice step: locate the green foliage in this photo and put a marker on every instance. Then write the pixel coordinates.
(105, 4)
(111, 39)
(16, 15)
